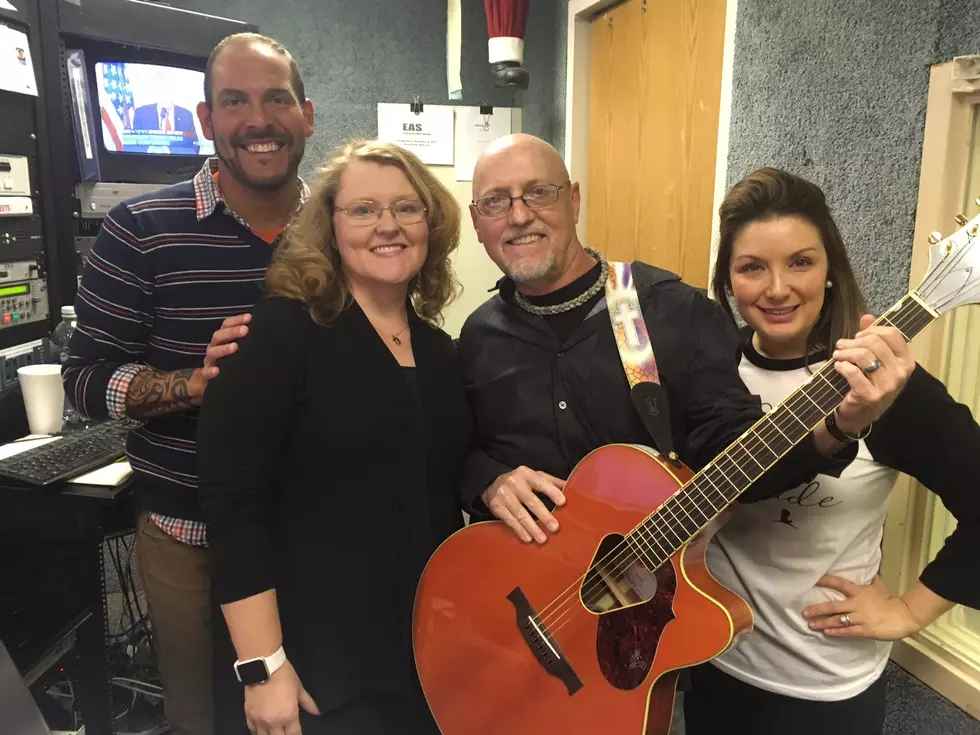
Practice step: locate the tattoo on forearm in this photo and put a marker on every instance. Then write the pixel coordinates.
(153, 393)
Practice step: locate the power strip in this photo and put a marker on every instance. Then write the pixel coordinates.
(29, 353)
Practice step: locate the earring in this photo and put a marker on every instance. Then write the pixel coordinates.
(830, 284)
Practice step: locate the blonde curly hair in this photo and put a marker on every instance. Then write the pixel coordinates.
(306, 265)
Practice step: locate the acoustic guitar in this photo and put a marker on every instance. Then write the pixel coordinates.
(587, 633)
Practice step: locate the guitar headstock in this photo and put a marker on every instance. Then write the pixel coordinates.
(953, 278)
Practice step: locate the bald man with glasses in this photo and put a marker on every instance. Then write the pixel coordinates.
(543, 373)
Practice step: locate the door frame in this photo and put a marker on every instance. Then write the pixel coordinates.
(947, 133)
(581, 13)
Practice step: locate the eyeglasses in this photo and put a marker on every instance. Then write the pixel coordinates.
(367, 213)
(537, 197)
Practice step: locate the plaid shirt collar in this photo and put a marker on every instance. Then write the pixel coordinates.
(208, 195)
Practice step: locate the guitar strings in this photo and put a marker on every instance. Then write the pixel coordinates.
(901, 322)
(946, 268)
(661, 524)
(623, 553)
(681, 495)
(658, 519)
(680, 498)
(935, 278)
(915, 314)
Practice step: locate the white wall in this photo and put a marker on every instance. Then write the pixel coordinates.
(473, 267)
(724, 125)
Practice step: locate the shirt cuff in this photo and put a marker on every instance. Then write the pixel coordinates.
(480, 471)
(115, 394)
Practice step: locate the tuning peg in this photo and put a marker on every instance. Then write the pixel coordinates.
(960, 220)
(977, 201)
(935, 238)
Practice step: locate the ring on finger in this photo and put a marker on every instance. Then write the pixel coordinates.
(845, 620)
(872, 366)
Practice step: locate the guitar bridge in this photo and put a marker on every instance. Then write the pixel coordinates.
(542, 645)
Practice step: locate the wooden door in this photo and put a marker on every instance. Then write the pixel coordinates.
(614, 131)
(655, 91)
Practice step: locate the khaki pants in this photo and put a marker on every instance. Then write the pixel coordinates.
(177, 582)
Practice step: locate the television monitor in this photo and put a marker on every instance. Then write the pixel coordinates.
(134, 114)
(150, 109)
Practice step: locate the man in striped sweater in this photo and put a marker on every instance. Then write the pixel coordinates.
(159, 304)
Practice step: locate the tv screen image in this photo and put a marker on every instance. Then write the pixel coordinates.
(151, 109)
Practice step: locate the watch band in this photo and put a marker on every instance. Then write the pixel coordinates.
(271, 665)
(838, 433)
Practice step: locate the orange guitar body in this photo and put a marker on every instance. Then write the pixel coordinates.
(612, 672)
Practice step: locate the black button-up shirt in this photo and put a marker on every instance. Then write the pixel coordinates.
(545, 402)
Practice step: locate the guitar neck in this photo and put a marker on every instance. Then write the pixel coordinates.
(733, 471)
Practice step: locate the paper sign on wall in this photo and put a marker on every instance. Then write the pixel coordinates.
(16, 67)
(475, 130)
(428, 134)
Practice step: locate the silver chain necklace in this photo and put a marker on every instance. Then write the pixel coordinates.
(571, 303)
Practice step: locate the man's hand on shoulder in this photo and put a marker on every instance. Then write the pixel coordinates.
(224, 342)
(512, 498)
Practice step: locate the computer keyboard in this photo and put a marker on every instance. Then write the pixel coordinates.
(73, 454)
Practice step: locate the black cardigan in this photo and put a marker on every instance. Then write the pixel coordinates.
(324, 474)
(928, 435)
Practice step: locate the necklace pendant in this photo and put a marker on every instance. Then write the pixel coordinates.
(394, 338)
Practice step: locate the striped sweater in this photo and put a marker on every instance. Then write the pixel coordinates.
(165, 270)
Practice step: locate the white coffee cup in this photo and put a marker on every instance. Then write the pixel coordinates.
(44, 397)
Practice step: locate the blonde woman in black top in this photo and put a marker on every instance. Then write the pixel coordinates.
(329, 447)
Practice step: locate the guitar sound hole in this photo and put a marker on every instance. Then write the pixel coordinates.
(617, 578)
(634, 607)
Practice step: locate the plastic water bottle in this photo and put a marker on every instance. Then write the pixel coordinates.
(59, 349)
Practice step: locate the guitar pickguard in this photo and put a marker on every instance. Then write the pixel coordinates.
(634, 607)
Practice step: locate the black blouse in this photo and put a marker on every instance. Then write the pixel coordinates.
(327, 472)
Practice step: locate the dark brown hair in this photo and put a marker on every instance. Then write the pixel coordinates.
(768, 193)
(306, 265)
(245, 39)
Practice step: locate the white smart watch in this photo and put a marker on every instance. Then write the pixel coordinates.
(258, 670)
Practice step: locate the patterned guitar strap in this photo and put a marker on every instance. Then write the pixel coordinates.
(636, 354)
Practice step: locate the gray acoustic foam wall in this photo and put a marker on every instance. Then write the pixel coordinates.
(836, 92)
(356, 53)
(561, 68)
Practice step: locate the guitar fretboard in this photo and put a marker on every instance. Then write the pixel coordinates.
(731, 473)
